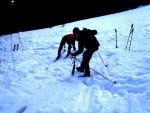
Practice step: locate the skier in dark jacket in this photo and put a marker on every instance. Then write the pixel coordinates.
(70, 40)
(86, 39)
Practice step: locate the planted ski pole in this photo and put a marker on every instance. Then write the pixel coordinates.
(116, 38)
(131, 38)
(97, 72)
(73, 69)
(131, 30)
(102, 59)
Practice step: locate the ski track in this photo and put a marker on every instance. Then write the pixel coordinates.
(83, 99)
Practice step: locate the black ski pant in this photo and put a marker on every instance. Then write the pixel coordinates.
(87, 55)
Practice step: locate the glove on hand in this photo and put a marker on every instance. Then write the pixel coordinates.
(72, 54)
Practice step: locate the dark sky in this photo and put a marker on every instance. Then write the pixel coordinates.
(35, 14)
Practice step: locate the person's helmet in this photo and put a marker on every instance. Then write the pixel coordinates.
(75, 30)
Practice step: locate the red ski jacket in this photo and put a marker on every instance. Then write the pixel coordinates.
(70, 38)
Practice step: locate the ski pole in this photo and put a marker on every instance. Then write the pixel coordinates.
(102, 59)
(129, 35)
(116, 38)
(96, 72)
(73, 69)
(19, 38)
(131, 38)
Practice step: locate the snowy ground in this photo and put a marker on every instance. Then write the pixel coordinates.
(31, 83)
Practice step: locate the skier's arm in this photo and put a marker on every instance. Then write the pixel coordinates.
(79, 51)
(74, 48)
(69, 50)
(61, 46)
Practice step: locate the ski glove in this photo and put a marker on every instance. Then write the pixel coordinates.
(72, 54)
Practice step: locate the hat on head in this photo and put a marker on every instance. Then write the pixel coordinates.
(75, 30)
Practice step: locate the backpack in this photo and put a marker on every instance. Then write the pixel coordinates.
(93, 32)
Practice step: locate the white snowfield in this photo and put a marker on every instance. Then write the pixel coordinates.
(31, 83)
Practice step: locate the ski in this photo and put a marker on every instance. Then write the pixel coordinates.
(82, 76)
(60, 56)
